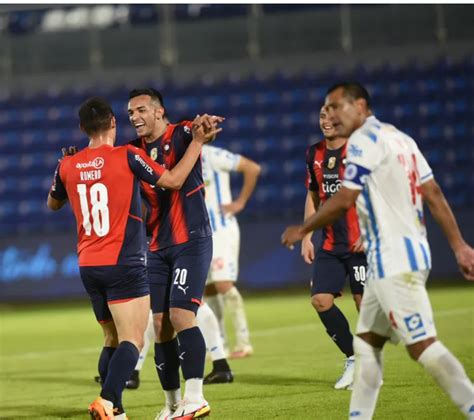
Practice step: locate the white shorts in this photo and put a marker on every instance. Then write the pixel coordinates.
(225, 255)
(398, 308)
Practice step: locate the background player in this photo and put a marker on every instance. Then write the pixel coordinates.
(339, 254)
(180, 252)
(102, 184)
(221, 292)
(389, 177)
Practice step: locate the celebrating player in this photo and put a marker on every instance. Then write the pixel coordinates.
(180, 252)
(340, 252)
(102, 184)
(221, 292)
(389, 178)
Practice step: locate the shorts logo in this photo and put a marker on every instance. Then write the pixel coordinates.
(218, 263)
(415, 325)
(183, 288)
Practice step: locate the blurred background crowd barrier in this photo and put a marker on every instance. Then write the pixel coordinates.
(265, 67)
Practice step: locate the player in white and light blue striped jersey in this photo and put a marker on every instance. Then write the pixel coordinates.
(221, 292)
(389, 179)
(390, 206)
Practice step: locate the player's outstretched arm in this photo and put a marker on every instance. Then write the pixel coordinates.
(54, 204)
(331, 210)
(310, 206)
(204, 128)
(442, 213)
(251, 171)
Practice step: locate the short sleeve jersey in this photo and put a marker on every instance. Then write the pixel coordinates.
(389, 169)
(217, 163)
(103, 187)
(174, 217)
(324, 173)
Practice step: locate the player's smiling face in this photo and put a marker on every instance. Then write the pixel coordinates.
(344, 113)
(144, 115)
(326, 125)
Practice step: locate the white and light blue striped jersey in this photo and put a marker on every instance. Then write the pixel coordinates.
(217, 163)
(387, 166)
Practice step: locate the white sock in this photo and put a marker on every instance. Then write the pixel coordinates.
(450, 375)
(216, 303)
(172, 397)
(207, 322)
(367, 380)
(193, 390)
(148, 338)
(234, 304)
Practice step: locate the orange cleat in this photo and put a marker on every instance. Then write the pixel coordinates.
(101, 409)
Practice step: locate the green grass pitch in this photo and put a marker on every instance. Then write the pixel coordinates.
(49, 356)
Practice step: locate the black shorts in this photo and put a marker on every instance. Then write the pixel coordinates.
(178, 275)
(330, 271)
(112, 284)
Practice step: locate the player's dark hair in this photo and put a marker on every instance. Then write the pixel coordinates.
(154, 94)
(353, 90)
(95, 115)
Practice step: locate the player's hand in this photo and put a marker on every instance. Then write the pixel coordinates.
(291, 235)
(307, 250)
(358, 246)
(232, 208)
(205, 127)
(465, 259)
(68, 151)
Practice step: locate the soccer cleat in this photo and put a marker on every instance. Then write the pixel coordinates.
(187, 410)
(134, 381)
(219, 377)
(242, 352)
(101, 409)
(345, 381)
(166, 412)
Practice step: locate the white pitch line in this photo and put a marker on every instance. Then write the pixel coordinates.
(268, 332)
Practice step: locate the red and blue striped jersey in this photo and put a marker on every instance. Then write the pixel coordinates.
(174, 217)
(103, 188)
(324, 175)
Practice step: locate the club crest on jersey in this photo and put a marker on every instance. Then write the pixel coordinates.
(154, 153)
(331, 162)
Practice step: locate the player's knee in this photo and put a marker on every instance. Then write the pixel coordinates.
(182, 319)
(163, 328)
(322, 302)
(415, 350)
(223, 287)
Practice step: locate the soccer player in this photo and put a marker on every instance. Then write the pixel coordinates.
(221, 292)
(179, 255)
(389, 178)
(339, 254)
(102, 184)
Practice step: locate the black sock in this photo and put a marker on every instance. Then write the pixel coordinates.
(104, 360)
(121, 367)
(220, 365)
(167, 364)
(192, 352)
(338, 329)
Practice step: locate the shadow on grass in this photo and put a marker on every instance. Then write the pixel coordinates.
(53, 379)
(265, 379)
(42, 412)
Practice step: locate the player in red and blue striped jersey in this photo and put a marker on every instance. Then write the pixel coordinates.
(339, 255)
(102, 184)
(180, 253)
